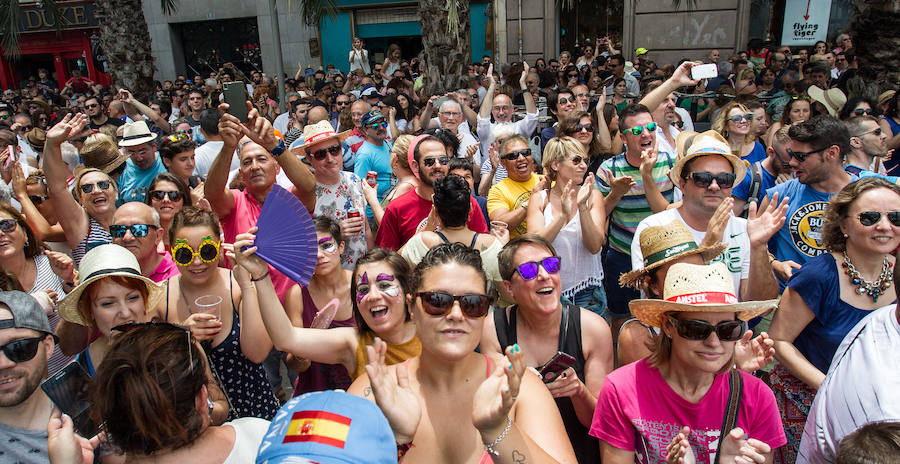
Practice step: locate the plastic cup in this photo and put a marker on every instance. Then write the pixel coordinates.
(208, 304)
(498, 225)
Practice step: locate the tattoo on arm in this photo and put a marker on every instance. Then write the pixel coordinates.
(367, 392)
(518, 457)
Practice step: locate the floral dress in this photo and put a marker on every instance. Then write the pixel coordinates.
(333, 201)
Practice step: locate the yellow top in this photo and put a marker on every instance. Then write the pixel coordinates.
(394, 354)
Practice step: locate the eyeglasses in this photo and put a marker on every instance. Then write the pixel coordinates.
(801, 156)
(7, 226)
(876, 131)
(704, 179)
(183, 254)
(429, 162)
(137, 230)
(94, 105)
(577, 159)
(101, 185)
(529, 270)
(870, 218)
(21, 350)
(159, 195)
(451, 114)
(473, 305)
(691, 329)
(584, 127)
(328, 245)
(514, 155)
(638, 130)
(25, 128)
(862, 111)
(342, 103)
(378, 125)
(741, 117)
(321, 153)
(37, 199)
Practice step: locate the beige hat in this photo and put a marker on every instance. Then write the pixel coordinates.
(104, 261)
(692, 144)
(316, 133)
(136, 133)
(100, 152)
(693, 288)
(663, 244)
(39, 101)
(833, 99)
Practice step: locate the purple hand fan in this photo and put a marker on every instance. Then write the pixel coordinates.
(286, 238)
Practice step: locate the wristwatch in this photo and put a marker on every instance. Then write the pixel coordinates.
(279, 149)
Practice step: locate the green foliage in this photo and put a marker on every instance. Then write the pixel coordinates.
(10, 12)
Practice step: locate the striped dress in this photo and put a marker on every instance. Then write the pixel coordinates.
(633, 206)
(96, 236)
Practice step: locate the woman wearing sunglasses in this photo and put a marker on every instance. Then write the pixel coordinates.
(571, 216)
(166, 194)
(670, 407)
(451, 404)
(592, 132)
(832, 292)
(231, 331)
(86, 217)
(377, 286)
(735, 124)
(153, 396)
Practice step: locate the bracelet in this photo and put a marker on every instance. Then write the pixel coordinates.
(490, 448)
(257, 279)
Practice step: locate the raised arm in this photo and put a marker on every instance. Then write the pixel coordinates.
(215, 189)
(592, 214)
(72, 217)
(530, 106)
(792, 316)
(488, 102)
(132, 103)
(655, 198)
(606, 143)
(681, 78)
(255, 342)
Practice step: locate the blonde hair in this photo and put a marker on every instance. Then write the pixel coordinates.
(559, 149)
(720, 124)
(400, 149)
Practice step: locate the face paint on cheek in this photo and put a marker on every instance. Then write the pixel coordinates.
(391, 291)
(360, 296)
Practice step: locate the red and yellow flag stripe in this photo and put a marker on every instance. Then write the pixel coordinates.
(319, 427)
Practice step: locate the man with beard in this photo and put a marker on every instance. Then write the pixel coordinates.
(27, 342)
(817, 150)
(95, 110)
(260, 155)
(196, 105)
(765, 174)
(414, 211)
(867, 142)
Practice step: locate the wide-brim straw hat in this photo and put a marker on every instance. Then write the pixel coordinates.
(661, 245)
(39, 101)
(691, 144)
(36, 138)
(105, 261)
(698, 288)
(318, 133)
(832, 99)
(100, 154)
(136, 133)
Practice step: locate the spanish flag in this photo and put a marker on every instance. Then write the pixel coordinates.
(319, 427)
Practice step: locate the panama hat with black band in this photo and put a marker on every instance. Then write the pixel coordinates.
(661, 245)
(136, 133)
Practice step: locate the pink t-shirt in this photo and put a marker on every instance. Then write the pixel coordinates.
(166, 268)
(241, 218)
(638, 411)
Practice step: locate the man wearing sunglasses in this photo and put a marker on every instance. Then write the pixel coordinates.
(414, 210)
(705, 173)
(26, 343)
(561, 105)
(136, 227)
(868, 144)
(774, 169)
(500, 108)
(374, 155)
(817, 149)
(508, 199)
(97, 114)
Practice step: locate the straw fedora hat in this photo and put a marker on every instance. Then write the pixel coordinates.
(697, 288)
(104, 261)
(136, 133)
(100, 152)
(661, 245)
(692, 144)
(36, 138)
(317, 133)
(39, 101)
(832, 99)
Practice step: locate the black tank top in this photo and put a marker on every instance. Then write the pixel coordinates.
(587, 448)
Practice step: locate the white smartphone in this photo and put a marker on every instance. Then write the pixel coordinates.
(704, 71)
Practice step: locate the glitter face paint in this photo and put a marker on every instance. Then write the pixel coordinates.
(363, 280)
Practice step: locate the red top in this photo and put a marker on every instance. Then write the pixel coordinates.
(406, 215)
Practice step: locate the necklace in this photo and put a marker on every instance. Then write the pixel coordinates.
(864, 287)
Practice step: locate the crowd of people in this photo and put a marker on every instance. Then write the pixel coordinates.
(581, 259)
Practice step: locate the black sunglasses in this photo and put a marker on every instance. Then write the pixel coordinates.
(870, 218)
(584, 127)
(37, 199)
(159, 195)
(862, 111)
(321, 153)
(8, 225)
(514, 155)
(429, 162)
(102, 185)
(705, 179)
(691, 329)
(21, 350)
(137, 230)
(529, 270)
(439, 303)
(801, 156)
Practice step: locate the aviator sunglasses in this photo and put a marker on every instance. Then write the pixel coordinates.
(704, 179)
(529, 270)
(438, 303)
(429, 162)
(8, 225)
(321, 153)
(691, 329)
(870, 218)
(184, 255)
(159, 195)
(101, 185)
(137, 230)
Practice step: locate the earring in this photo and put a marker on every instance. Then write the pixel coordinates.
(845, 235)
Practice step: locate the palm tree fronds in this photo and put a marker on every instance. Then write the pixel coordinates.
(169, 7)
(10, 12)
(313, 11)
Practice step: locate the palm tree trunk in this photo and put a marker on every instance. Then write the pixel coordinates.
(446, 51)
(874, 33)
(126, 43)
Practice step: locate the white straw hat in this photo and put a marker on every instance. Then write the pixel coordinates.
(692, 144)
(136, 133)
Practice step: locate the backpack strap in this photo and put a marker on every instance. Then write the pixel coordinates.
(755, 187)
(735, 390)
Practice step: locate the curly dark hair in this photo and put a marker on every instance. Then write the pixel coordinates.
(452, 200)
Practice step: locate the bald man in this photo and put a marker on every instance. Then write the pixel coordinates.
(500, 107)
(136, 227)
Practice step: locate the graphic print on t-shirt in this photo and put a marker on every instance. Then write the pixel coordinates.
(703, 441)
(805, 226)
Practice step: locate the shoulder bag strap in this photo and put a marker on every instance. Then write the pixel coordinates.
(505, 334)
(735, 389)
